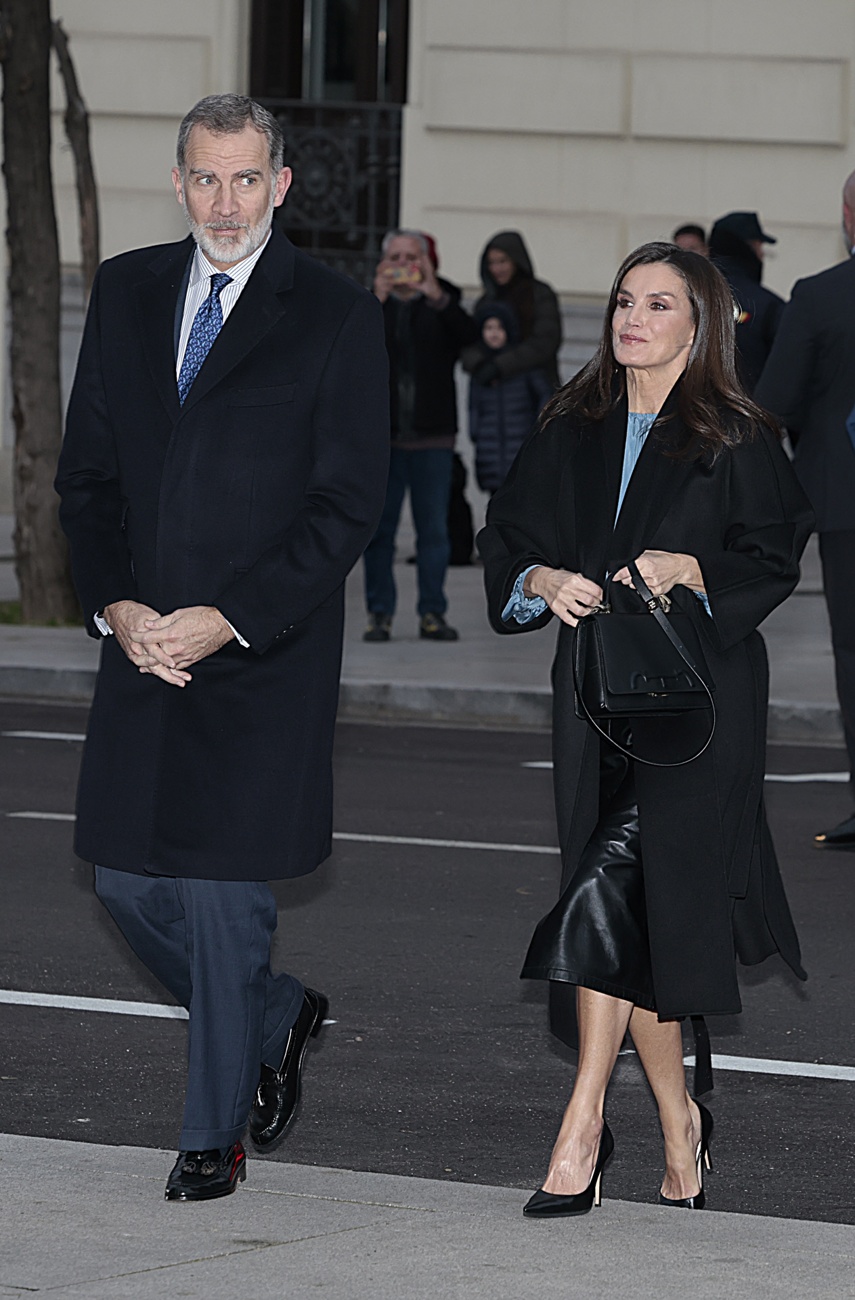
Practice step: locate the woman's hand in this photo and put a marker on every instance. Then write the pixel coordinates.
(662, 570)
(567, 594)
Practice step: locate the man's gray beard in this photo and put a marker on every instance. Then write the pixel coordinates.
(231, 250)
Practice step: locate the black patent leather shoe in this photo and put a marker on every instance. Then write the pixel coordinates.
(548, 1205)
(703, 1160)
(205, 1175)
(842, 837)
(686, 1202)
(278, 1093)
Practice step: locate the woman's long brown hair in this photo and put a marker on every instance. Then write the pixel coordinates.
(712, 404)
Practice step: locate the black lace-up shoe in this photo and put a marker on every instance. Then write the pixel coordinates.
(278, 1093)
(204, 1175)
(379, 628)
(433, 627)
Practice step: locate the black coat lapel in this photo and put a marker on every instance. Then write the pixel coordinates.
(256, 311)
(157, 302)
(596, 472)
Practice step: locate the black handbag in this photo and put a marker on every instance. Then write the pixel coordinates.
(629, 665)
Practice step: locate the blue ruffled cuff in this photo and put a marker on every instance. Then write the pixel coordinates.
(521, 607)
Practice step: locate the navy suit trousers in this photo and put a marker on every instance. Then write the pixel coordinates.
(208, 942)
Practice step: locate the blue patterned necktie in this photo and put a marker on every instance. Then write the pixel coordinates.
(206, 326)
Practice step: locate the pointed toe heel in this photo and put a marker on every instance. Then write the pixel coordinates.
(547, 1205)
(686, 1202)
(703, 1160)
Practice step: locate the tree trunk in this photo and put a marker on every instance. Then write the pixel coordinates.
(41, 555)
(77, 130)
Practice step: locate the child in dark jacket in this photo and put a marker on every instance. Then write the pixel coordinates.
(502, 413)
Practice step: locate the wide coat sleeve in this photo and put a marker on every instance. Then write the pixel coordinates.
(92, 506)
(767, 520)
(522, 520)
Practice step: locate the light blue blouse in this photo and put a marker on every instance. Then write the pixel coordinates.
(524, 608)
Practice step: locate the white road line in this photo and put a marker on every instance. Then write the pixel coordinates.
(65, 1002)
(787, 778)
(444, 844)
(45, 735)
(799, 778)
(43, 816)
(163, 1011)
(353, 837)
(801, 1069)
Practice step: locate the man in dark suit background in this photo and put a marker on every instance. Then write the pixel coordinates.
(737, 244)
(224, 467)
(809, 383)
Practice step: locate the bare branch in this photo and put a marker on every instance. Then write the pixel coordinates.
(77, 129)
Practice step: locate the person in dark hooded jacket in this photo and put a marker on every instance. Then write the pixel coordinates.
(508, 277)
(736, 246)
(502, 413)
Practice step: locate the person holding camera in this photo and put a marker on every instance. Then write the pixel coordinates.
(426, 328)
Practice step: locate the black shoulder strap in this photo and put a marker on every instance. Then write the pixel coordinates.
(652, 603)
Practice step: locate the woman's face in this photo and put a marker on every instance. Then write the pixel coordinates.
(652, 326)
(500, 266)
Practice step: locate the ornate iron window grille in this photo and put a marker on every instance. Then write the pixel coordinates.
(346, 160)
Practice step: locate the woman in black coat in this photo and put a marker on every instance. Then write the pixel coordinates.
(653, 453)
(507, 275)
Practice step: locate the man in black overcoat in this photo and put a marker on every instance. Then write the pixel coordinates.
(224, 466)
(737, 243)
(809, 383)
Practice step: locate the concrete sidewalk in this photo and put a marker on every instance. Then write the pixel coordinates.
(481, 680)
(89, 1222)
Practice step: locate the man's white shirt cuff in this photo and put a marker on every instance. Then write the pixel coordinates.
(238, 636)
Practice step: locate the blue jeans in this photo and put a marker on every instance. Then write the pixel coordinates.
(427, 473)
(208, 942)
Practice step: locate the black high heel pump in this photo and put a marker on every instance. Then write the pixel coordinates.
(546, 1205)
(703, 1160)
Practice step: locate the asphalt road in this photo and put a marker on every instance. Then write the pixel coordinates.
(439, 1063)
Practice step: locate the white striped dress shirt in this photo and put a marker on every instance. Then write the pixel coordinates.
(199, 286)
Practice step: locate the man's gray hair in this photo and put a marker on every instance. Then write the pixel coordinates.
(404, 234)
(228, 115)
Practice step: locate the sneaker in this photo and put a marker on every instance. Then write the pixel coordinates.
(433, 627)
(379, 628)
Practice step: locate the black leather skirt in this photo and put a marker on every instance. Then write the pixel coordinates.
(596, 934)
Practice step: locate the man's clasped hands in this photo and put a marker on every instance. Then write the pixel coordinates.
(166, 645)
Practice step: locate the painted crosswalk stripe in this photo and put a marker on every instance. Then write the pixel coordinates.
(354, 837)
(67, 1002)
(43, 816)
(800, 778)
(421, 841)
(785, 778)
(163, 1011)
(799, 1069)
(45, 735)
